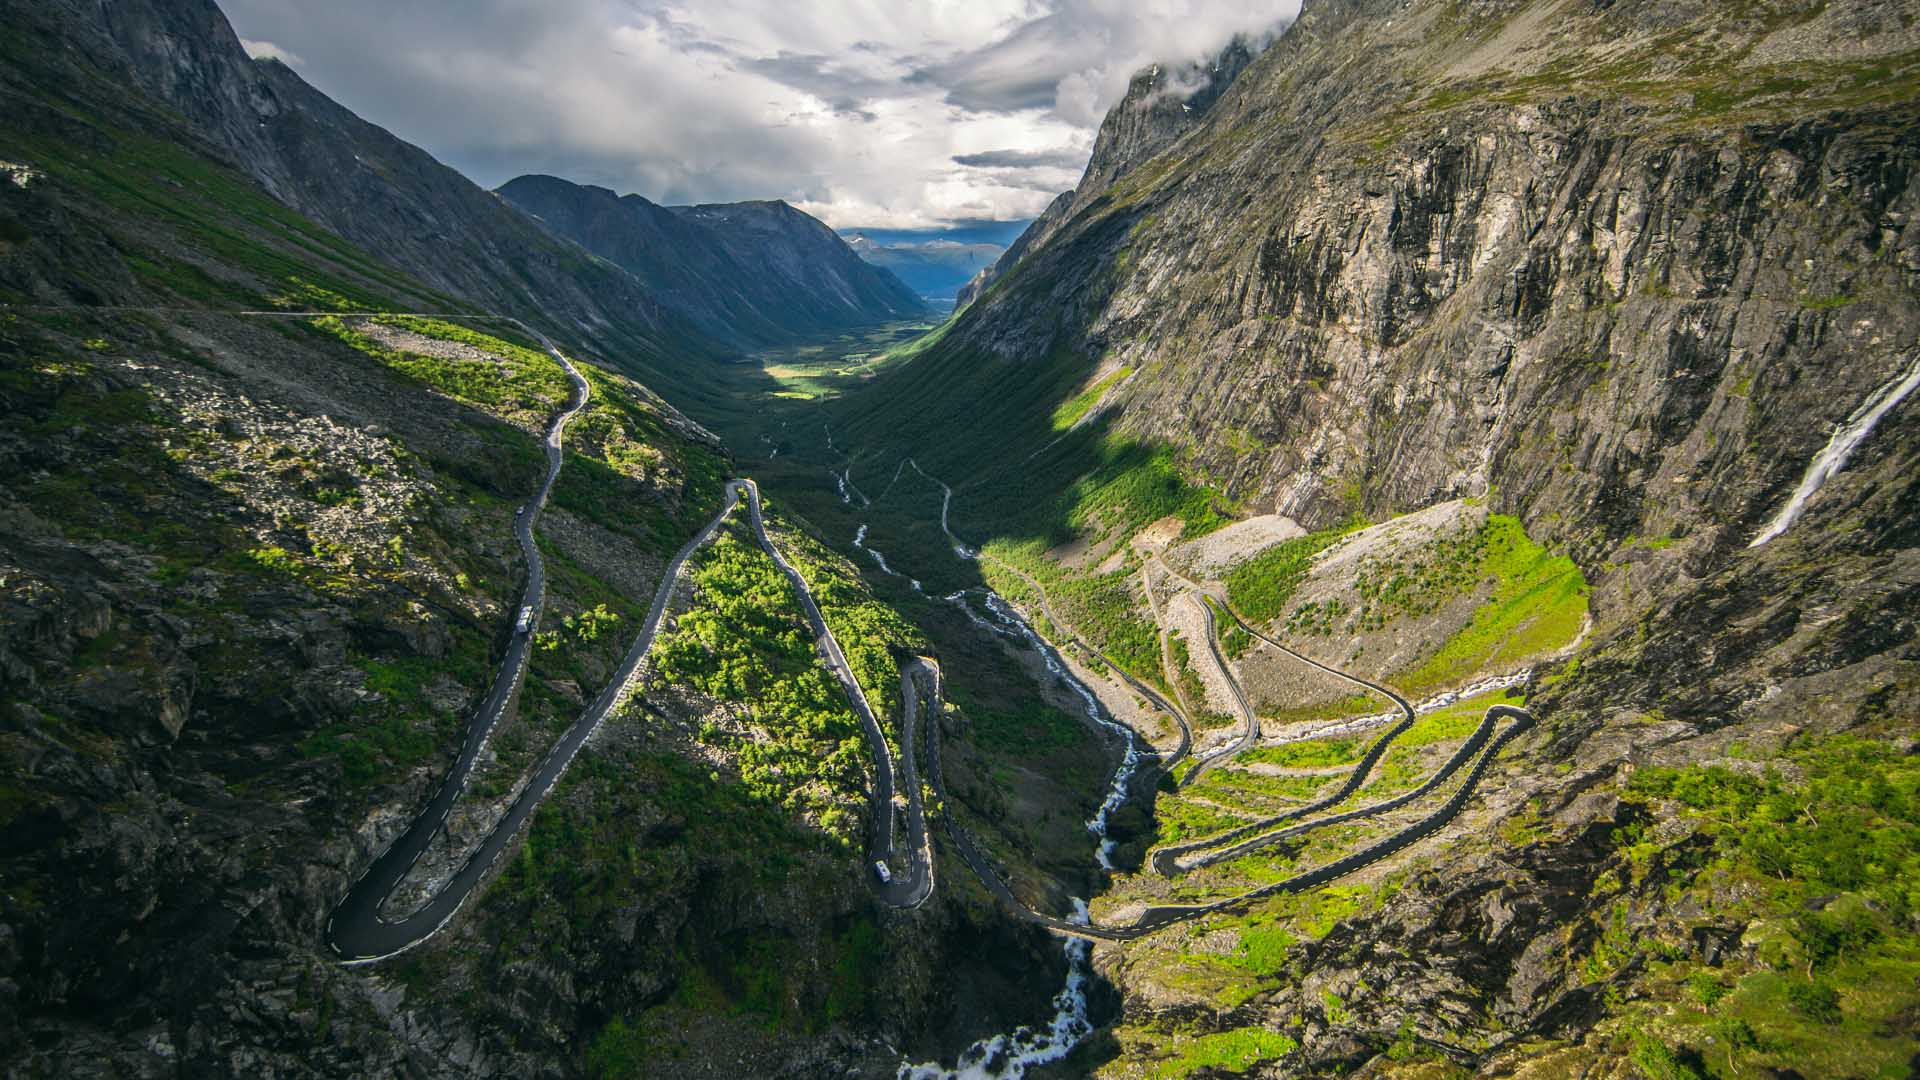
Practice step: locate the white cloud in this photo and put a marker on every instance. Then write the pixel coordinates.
(267, 50)
(854, 110)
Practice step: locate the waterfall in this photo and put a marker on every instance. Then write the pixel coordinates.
(1833, 457)
(1008, 1056)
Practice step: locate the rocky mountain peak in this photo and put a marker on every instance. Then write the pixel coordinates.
(1162, 103)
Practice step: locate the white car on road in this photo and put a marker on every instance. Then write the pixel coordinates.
(880, 871)
(526, 621)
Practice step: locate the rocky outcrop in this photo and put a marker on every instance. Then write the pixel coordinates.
(1351, 297)
(755, 273)
(1161, 104)
(1618, 269)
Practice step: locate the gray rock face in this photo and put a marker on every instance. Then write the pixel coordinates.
(1162, 104)
(1421, 251)
(745, 273)
(1633, 323)
(252, 575)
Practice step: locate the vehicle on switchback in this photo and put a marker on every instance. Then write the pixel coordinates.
(880, 871)
(526, 621)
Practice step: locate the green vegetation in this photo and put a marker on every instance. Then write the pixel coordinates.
(824, 368)
(870, 633)
(1817, 855)
(1070, 411)
(1179, 819)
(399, 730)
(1257, 791)
(1122, 498)
(1029, 729)
(1538, 604)
(1106, 609)
(1308, 753)
(1405, 766)
(1234, 1051)
(232, 246)
(522, 386)
(624, 469)
(1680, 80)
(584, 864)
(743, 642)
(635, 476)
(618, 1050)
(1260, 587)
(1192, 692)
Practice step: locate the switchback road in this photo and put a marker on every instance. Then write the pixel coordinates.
(911, 888)
(1480, 748)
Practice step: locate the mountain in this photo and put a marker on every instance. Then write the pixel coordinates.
(934, 268)
(352, 178)
(1418, 556)
(749, 274)
(270, 579)
(1161, 104)
(1430, 297)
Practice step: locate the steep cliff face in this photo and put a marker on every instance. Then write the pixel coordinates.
(1161, 104)
(1620, 269)
(353, 178)
(1370, 291)
(745, 274)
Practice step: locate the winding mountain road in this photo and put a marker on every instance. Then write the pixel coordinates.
(1483, 746)
(357, 932)
(1480, 748)
(1166, 859)
(1249, 720)
(911, 888)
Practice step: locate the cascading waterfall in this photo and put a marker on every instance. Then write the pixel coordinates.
(1008, 1056)
(1130, 761)
(1833, 457)
(959, 600)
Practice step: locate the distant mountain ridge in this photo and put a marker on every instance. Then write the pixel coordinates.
(746, 274)
(351, 176)
(936, 269)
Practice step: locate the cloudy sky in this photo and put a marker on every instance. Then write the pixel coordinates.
(866, 113)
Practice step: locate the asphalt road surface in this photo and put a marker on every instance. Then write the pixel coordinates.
(908, 887)
(356, 932)
(1480, 748)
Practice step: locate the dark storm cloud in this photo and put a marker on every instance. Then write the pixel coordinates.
(821, 76)
(1018, 159)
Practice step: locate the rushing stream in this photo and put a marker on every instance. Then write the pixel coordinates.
(1007, 1056)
